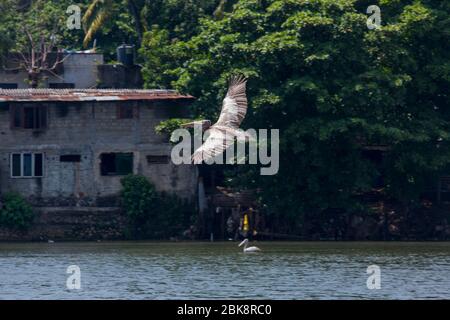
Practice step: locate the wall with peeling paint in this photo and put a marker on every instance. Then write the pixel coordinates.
(90, 129)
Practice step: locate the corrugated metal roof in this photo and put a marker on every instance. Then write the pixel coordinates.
(29, 95)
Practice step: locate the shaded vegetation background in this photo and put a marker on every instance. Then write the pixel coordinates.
(152, 214)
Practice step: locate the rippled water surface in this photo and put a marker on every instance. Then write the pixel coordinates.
(284, 270)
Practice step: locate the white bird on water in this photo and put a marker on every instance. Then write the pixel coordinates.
(248, 249)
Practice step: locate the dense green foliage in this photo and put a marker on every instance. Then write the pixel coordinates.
(16, 213)
(153, 215)
(42, 19)
(115, 22)
(138, 196)
(119, 21)
(330, 85)
(168, 126)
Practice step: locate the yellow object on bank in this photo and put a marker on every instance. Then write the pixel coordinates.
(246, 226)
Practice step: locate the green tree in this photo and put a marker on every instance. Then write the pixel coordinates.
(100, 11)
(139, 197)
(31, 31)
(331, 86)
(130, 19)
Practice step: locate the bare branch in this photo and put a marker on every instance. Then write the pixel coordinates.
(58, 62)
(54, 74)
(12, 69)
(30, 37)
(27, 62)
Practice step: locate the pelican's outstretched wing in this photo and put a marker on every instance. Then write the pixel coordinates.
(216, 143)
(234, 106)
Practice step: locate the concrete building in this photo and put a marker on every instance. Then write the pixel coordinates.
(78, 70)
(71, 147)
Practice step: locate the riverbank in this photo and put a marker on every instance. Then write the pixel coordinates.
(110, 223)
(71, 224)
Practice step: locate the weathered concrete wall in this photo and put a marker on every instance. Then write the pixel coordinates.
(71, 224)
(90, 129)
(119, 76)
(79, 69)
(18, 77)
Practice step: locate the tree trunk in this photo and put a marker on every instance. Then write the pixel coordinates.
(33, 76)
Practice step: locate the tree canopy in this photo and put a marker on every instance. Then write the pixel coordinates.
(332, 86)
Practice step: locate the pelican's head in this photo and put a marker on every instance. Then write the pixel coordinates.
(206, 123)
(243, 242)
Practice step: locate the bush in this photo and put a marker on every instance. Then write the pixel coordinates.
(153, 215)
(170, 125)
(16, 213)
(138, 197)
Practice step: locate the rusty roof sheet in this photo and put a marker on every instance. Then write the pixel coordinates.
(81, 95)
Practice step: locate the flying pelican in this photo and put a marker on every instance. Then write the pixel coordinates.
(223, 132)
(248, 249)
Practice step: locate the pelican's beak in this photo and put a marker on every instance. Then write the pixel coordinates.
(240, 244)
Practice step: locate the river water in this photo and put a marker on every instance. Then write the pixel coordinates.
(283, 270)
